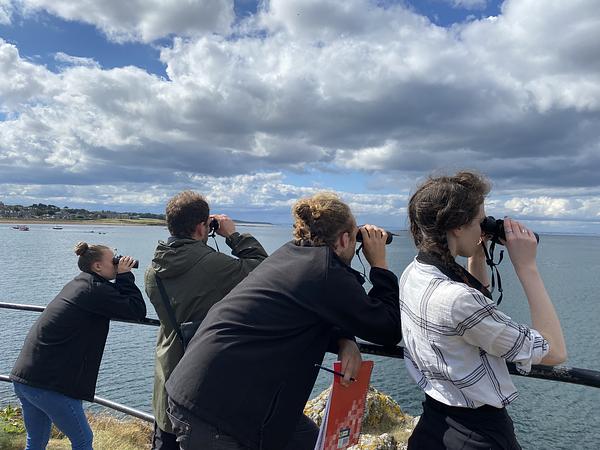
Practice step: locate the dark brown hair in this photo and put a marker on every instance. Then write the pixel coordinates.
(319, 220)
(184, 212)
(441, 204)
(88, 255)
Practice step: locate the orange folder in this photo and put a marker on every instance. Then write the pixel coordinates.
(342, 420)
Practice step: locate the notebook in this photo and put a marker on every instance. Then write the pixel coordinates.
(345, 408)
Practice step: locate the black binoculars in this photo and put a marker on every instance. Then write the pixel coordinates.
(390, 236)
(213, 225)
(494, 229)
(117, 258)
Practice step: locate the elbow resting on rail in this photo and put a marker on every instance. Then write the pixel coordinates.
(554, 358)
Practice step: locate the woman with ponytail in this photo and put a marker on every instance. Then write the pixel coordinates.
(456, 340)
(59, 362)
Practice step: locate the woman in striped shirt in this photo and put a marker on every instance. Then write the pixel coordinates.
(456, 340)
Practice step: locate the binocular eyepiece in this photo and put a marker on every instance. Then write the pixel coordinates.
(494, 229)
(390, 236)
(117, 258)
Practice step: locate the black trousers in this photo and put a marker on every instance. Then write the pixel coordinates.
(193, 433)
(161, 440)
(452, 428)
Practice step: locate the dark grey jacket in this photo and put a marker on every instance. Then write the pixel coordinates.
(64, 347)
(195, 277)
(250, 367)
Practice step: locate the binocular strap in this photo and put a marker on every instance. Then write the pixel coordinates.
(489, 260)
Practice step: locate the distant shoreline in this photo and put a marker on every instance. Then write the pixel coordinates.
(145, 222)
(127, 222)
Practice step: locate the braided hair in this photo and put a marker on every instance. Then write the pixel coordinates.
(442, 204)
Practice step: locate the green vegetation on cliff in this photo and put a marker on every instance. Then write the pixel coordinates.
(110, 433)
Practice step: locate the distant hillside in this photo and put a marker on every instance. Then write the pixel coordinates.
(254, 222)
(53, 213)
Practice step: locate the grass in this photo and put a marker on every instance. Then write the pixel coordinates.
(110, 433)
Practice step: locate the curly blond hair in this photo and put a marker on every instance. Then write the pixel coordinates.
(319, 220)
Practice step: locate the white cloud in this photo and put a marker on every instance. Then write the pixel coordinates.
(6, 10)
(76, 60)
(554, 207)
(469, 4)
(22, 82)
(261, 192)
(142, 20)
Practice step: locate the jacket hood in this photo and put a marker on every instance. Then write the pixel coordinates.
(178, 255)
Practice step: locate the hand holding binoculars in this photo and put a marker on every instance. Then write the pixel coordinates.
(494, 229)
(390, 236)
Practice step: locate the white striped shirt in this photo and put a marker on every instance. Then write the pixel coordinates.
(456, 340)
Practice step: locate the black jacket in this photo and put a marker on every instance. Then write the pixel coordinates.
(63, 349)
(250, 367)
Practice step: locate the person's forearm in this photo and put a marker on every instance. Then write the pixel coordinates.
(543, 315)
(245, 246)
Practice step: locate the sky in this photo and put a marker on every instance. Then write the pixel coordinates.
(120, 105)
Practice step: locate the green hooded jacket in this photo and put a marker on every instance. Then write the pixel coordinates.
(195, 277)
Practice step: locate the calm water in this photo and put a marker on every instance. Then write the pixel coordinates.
(36, 264)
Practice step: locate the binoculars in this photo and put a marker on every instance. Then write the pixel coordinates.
(213, 225)
(494, 229)
(390, 236)
(117, 258)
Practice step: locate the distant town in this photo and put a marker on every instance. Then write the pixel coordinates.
(44, 212)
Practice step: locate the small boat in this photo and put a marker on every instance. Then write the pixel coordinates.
(57, 228)
(22, 228)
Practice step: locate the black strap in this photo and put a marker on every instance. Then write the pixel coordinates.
(213, 235)
(489, 259)
(169, 308)
(364, 272)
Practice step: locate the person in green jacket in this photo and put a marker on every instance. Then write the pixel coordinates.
(195, 277)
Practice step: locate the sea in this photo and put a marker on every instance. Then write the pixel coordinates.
(35, 264)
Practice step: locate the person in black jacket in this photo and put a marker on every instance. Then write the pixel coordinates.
(59, 362)
(249, 369)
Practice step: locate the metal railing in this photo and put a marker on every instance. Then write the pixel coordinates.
(99, 400)
(112, 405)
(573, 375)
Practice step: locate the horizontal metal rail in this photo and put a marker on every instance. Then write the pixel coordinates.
(110, 404)
(573, 375)
(35, 308)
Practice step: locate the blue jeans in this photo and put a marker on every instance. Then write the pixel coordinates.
(41, 407)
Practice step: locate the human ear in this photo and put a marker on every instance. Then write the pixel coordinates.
(345, 239)
(97, 266)
(200, 231)
(456, 232)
